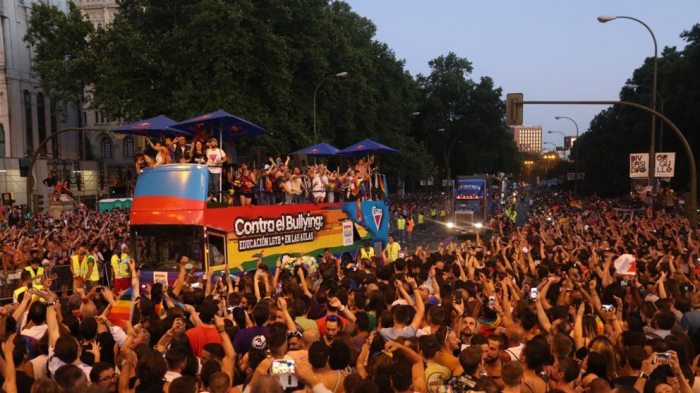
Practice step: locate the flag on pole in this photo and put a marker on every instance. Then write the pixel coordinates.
(123, 309)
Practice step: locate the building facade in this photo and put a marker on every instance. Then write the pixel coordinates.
(90, 162)
(527, 138)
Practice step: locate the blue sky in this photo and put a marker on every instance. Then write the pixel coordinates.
(546, 49)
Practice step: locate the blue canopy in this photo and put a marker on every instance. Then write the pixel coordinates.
(153, 127)
(367, 147)
(322, 149)
(226, 125)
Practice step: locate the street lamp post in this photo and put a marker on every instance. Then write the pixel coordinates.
(608, 18)
(575, 152)
(661, 110)
(338, 75)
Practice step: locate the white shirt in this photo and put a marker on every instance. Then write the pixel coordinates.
(119, 335)
(39, 366)
(56, 363)
(215, 157)
(171, 376)
(36, 332)
(515, 352)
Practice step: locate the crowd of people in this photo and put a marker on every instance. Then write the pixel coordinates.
(575, 300)
(266, 183)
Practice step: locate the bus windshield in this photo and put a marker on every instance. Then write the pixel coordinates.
(160, 247)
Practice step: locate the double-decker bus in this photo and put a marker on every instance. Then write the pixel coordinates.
(171, 218)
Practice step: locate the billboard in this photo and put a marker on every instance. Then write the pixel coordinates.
(665, 165)
(639, 165)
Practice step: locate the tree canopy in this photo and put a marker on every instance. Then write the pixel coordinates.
(616, 132)
(262, 60)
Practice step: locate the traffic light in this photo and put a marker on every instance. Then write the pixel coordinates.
(514, 109)
(38, 203)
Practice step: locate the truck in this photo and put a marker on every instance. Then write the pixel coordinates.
(473, 200)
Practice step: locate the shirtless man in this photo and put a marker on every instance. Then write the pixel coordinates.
(318, 357)
(533, 358)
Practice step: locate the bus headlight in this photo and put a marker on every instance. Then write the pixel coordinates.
(478, 225)
(450, 225)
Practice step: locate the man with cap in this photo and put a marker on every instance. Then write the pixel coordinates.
(120, 270)
(215, 159)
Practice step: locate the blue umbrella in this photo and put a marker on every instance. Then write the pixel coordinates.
(367, 147)
(322, 149)
(153, 127)
(220, 122)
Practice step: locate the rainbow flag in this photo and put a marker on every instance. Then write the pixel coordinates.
(383, 187)
(123, 309)
(359, 188)
(576, 205)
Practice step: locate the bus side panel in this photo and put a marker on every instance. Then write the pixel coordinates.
(304, 229)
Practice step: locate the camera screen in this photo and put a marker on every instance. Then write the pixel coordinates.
(283, 367)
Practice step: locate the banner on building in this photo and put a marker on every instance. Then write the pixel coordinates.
(665, 164)
(571, 176)
(639, 165)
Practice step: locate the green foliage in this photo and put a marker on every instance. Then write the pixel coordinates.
(616, 132)
(262, 60)
(472, 117)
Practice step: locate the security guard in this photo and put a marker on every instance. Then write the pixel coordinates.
(391, 251)
(409, 229)
(26, 280)
(366, 252)
(121, 270)
(401, 227)
(78, 265)
(92, 272)
(421, 221)
(35, 269)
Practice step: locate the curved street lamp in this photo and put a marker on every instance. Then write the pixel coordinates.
(338, 75)
(575, 152)
(608, 18)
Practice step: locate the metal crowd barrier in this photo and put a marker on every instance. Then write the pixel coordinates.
(61, 276)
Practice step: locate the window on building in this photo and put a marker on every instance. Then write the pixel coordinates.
(28, 120)
(106, 148)
(128, 147)
(41, 119)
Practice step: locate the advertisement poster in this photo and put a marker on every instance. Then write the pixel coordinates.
(665, 164)
(347, 233)
(160, 277)
(639, 165)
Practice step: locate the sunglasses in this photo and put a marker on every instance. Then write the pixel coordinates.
(447, 335)
(332, 318)
(295, 333)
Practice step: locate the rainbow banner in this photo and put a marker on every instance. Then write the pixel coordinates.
(123, 309)
(576, 205)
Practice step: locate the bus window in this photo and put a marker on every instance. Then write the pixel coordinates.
(160, 247)
(216, 250)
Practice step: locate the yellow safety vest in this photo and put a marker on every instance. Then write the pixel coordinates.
(401, 224)
(23, 288)
(421, 218)
(364, 254)
(443, 213)
(95, 274)
(433, 212)
(39, 272)
(121, 265)
(392, 250)
(79, 268)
